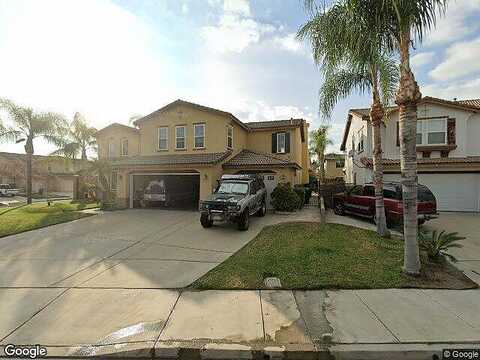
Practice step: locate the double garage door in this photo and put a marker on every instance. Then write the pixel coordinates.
(165, 190)
(454, 192)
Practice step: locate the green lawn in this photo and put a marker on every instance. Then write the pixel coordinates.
(311, 256)
(37, 215)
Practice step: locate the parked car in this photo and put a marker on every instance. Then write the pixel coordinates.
(154, 193)
(8, 190)
(360, 200)
(235, 199)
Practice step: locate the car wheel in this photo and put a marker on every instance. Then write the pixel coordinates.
(244, 221)
(263, 209)
(339, 208)
(206, 221)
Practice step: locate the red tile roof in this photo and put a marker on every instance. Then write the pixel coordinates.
(175, 159)
(247, 158)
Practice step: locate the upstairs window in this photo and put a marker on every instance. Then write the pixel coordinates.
(111, 150)
(339, 163)
(180, 137)
(230, 137)
(124, 147)
(281, 142)
(432, 132)
(163, 138)
(199, 132)
(281, 148)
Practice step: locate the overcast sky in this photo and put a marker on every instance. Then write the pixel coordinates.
(114, 59)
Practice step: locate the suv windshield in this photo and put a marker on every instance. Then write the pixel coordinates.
(232, 188)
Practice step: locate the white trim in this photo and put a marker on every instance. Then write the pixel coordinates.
(425, 131)
(195, 136)
(158, 138)
(228, 128)
(184, 137)
(284, 143)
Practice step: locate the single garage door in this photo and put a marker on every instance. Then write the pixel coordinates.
(169, 190)
(454, 192)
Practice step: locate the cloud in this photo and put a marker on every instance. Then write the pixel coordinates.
(240, 7)
(459, 21)
(461, 59)
(422, 59)
(289, 42)
(460, 90)
(185, 8)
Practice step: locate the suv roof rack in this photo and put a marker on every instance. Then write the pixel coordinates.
(239, 177)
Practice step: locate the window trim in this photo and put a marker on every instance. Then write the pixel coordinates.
(284, 143)
(166, 138)
(122, 141)
(184, 137)
(111, 150)
(425, 131)
(229, 127)
(195, 136)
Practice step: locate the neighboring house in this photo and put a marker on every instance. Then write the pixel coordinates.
(334, 164)
(187, 147)
(58, 171)
(448, 150)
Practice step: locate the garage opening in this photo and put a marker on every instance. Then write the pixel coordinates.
(165, 191)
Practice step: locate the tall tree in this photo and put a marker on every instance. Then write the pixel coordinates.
(318, 144)
(29, 125)
(398, 24)
(79, 139)
(346, 69)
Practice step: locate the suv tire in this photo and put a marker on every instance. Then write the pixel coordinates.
(244, 220)
(263, 209)
(205, 221)
(339, 208)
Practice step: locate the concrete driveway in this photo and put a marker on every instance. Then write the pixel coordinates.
(467, 225)
(123, 249)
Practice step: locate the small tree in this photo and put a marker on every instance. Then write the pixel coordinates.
(29, 125)
(318, 144)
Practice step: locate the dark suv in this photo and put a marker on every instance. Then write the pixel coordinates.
(235, 199)
(360, 200)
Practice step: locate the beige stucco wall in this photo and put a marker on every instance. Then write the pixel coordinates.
(331, 171)
(215, 131)
(116, 135)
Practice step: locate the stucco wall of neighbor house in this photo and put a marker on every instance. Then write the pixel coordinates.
(473, 135)
(331, 170)
(115, 135)
(215, 131)
(354, 172)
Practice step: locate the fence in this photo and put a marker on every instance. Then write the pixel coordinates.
(328, 190)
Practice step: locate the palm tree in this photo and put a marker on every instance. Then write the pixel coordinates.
(102, 169)
(346, 69)
(29, 125)
(318, 143)
(79, 140)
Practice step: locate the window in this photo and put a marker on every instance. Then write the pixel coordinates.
(163, 138)
(124, 147)
(356, 190)
(432, 132)
(113, 181)
(360, 145)
(369, 191)
(281, 143)
(233, 188)
(111, 150)
(180, 134)
(339, 163)
(229, 137)
(390, 193)
(199, 132)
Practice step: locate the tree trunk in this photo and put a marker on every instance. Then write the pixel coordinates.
(407, 97)
(84, 153)
(29, 152)
(376, 115)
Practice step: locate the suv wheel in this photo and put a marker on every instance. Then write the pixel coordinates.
(339, 208)
(263, 209)
(206, 221)
(244, 221)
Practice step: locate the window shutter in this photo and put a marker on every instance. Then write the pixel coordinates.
(287, 142)
(398, 133)
(274, 143)
(451, 131)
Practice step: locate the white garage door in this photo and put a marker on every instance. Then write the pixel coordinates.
(271, 182)
(454, 192)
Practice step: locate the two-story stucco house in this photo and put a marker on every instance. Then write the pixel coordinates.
(187, 147)
(448, 150)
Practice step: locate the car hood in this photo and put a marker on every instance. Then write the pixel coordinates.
(231, 198)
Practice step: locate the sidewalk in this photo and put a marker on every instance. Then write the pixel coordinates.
(348, 324)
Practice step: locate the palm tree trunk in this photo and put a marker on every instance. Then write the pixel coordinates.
(29, 152)
(376, 115)
(407, 97)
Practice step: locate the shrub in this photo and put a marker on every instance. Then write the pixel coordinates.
(437, 244)
(300, 191)
(284, 198)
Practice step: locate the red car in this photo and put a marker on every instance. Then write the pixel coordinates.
(360, 200)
